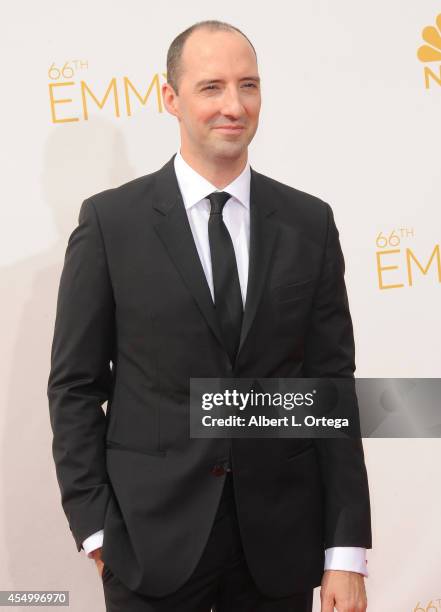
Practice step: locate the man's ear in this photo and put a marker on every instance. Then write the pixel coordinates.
(170, 99)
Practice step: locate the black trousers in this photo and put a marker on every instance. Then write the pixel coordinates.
(221, 581)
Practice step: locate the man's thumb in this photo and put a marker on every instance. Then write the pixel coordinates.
(327, 603)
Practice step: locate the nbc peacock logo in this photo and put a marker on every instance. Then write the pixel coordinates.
(431, 52)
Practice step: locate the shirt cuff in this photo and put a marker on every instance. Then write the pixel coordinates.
(349, 558)
(93, 542)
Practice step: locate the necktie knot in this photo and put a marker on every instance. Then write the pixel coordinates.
(218, 200)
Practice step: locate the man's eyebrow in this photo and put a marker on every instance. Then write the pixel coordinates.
(212, 81)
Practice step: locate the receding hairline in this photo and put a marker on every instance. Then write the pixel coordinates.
(214, 30)
(176, 49)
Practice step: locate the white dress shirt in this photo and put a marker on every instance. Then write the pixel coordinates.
(236, 215)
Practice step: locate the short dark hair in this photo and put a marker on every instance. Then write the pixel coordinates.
(174, 53)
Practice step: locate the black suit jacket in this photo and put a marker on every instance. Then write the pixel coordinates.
(135, 320)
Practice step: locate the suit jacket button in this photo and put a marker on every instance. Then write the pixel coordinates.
(218, 470)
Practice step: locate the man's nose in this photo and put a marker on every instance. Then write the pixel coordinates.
(231, 103)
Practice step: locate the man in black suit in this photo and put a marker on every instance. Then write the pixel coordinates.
(205, 268)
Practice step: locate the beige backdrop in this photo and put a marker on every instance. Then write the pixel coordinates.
(349, 113)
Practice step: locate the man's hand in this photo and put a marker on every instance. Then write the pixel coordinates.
(96, 555)
(343, 590)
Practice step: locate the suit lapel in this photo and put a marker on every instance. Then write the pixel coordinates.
(175, 232)
(263, 233)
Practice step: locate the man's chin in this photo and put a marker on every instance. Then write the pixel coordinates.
(228, 150)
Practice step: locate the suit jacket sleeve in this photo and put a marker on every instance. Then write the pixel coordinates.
(80, 378)
(330, 353)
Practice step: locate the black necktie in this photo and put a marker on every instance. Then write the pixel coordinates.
(227, 294)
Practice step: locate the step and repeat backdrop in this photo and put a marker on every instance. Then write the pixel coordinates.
(351, 112)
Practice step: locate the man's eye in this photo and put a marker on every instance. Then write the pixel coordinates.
(211, 87)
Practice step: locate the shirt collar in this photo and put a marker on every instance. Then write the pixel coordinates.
(195, 187)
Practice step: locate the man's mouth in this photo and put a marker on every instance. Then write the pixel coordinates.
(231, 129)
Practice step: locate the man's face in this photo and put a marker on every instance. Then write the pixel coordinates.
(219, 95)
